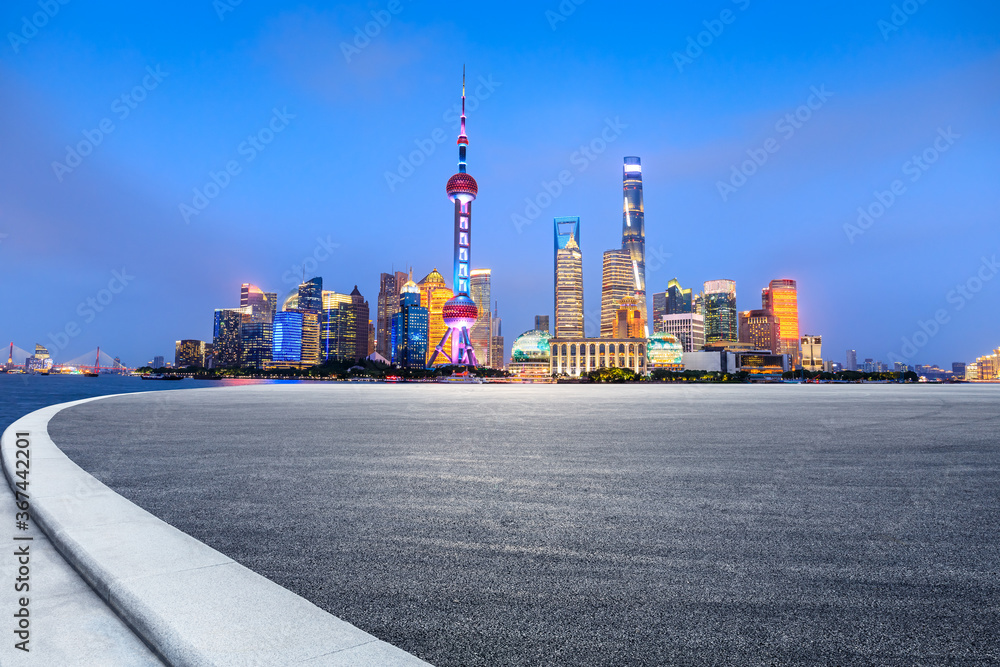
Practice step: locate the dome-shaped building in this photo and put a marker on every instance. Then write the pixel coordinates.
(530, 356)
(665, 351)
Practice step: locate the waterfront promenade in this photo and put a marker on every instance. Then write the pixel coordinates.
(565, 525)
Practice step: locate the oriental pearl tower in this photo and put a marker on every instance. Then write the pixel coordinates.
(459, 312)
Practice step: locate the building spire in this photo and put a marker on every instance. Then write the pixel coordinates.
(463, 140)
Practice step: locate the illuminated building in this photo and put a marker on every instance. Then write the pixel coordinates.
(688, 328)
(39, 361)
(629, 322)
(569, 290)
(987, 367)
(311, 296)
(812, 353)
(262, 304)
(482, 330)
(678, 299)
(390, 286)
(759, 363)
(720, 311)
(781, 298)
(564, 229)
(409, 329)
(760, 329)
(460, 312)
(542, 323)
(433, 295)
(634, 229)
(310, 304)
(286, 344)
(664, 351)
(226, 332)
(157, 362)
(576, 356)
(256, 341)
(958, 370)
(363, 324)
(659, 307)
(530, 356)
(338, 335)
(189, 353)
(852, 360)
(972, 372)
(496, 341)
(617, 282)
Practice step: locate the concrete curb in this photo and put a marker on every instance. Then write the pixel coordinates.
(190, 603)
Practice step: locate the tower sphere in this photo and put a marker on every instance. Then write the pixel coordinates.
(462, 187)
(460, 312)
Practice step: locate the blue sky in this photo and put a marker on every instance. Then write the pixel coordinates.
(894, 85)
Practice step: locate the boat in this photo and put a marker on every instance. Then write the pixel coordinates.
(160, 376)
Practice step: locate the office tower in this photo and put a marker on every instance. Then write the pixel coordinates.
(564, 229)
(629, 322)
(698, 303)
(286, 344)
(760, 328)
(688, 328)
(958, 370)
(189, 353)
(390, 285)
(460, 312)
(480, 291)
(226, 336)
(496, 342)
(781, 298)
(433, 295)
(720, 311)
(542, 323)
(362, 324)
(812, 353)
(617, 282)
(338, 331)
(569, 291)
(256, 341)
(852, 360)
(158, 362)
(262, 304)
(678, 299)
(409, 329)
(311, 295)
(659, 306)
(634, 228)
(371, 338)
(310, 304)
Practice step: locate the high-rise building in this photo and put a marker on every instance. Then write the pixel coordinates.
(390, 285)
(628, 320)
(958, 370)
(338, 335)
(542, 323)
(688, 328)
(311, 295)
(698, 303)
(158, 362)
(720, 312)
(189, 353)
(256, 343)
(286, 343)
(812, 353)
(409, 329)
(617, 282)
(362, 324)
(564, 229)
(634, 228)
(781, 298)
(310, 304)
(496, 342)
(569, 291)
(262, 304)
(433, 295)
(482, 330)
(852, 360)
(460, 312)
(760, 328)
(659, 306)
(226, 336)
(678, 298)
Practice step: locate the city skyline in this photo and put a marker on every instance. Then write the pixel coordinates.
(110, 230)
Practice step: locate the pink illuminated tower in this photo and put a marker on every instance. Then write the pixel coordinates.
(460, 311)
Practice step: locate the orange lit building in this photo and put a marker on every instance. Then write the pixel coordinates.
(781, 298)
(433, 295)
(628, 319)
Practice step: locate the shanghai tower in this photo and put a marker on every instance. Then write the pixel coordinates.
(460, 312)
(634, 228)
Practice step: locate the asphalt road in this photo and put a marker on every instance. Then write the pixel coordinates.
(591, 525)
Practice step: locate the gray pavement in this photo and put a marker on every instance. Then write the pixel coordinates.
(572, 525)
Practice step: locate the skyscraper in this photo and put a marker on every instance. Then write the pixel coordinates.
(629, 322)
(409, 329)
(338, 337)
(226, 336)
(460, 312)
(542, 323)
(433, 295)
(569, 290)
(311, 295)
(256, 339)
(678, 298)
(812, 353)
(689, 328)
(634, 228)
(188, 353)
(496, 343)
(390, 285)
(760, 328)
(310, 304)
(286, 344)
(852, 360)
(480, 286)
(564, 229)
(720, 312)
(362, 324)
(781, 298)
(262, 304)
(617, 282)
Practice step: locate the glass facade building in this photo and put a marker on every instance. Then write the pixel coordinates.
(617, 282)
(781, 298)
(634, 228)
(434, 293)
(189, 353)
(226, 336)
(721, 317)
(390, 286)
(410, 330)
(569, 290)
(688, 328)
(480, 288)
(256, 340)
(287, 337)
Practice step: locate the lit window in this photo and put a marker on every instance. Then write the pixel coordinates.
(463, 238)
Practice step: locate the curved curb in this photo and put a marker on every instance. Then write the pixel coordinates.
(190, 603)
